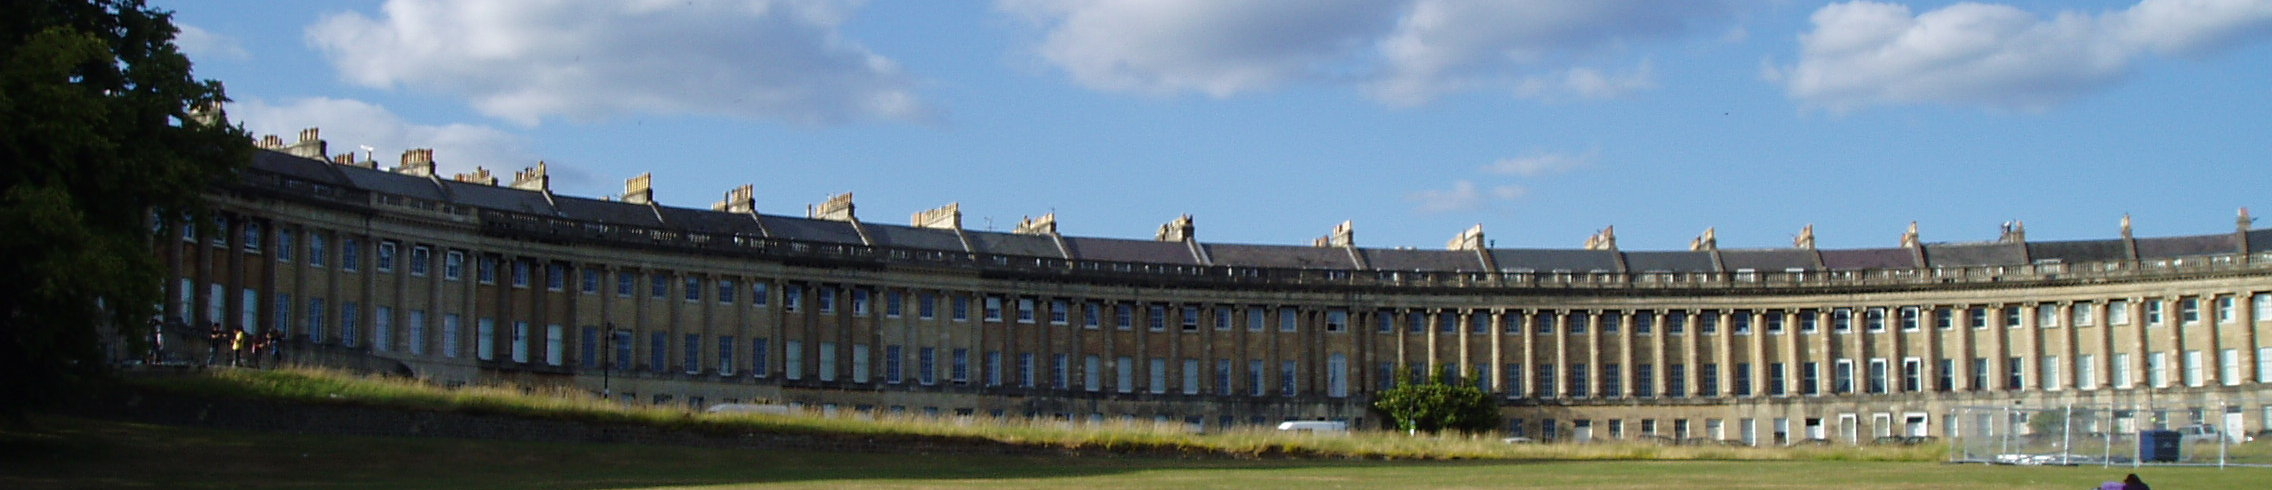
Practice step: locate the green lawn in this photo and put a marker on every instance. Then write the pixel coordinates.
(74, 452)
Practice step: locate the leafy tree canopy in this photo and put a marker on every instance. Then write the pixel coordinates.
(97, 133)
(1435, 405)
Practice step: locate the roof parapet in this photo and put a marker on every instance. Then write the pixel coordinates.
(1708, 241)
(836, 208)
(1909, 238)
(1472, 239)
(640, 190)
(417, 161)
(948, 217)
(1044, 225)
(1179, 230)
(479, 175)
(1805, 240)
(738, 200)
(533, 179)
(1604, 239)
(1344, 236)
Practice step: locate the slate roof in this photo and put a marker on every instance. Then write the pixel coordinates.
(708, 221)
(813, 230)
(1551, 260)
(912, 237)
(2079, 251)
(307, 169)
(1975, 254)
(2181, 246)
(1280, 256)
(1769, 260)
(392, 183)
(610, 212)
(1423, 260)
(1122, 250)
(1868, 258)
(1669, 262)
(996, 243)
(498, 198)
(1245, 255)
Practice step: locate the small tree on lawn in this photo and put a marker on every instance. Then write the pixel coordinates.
(2047, 423)
(1435, 405)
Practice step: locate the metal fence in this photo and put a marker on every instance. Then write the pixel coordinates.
(2101, 436)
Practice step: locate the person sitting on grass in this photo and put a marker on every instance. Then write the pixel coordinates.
(2128, 483)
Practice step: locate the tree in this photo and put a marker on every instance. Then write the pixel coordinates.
(1434, 405)
(2047, 423)
(99, 134)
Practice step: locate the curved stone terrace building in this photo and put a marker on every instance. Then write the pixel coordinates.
(465, 280)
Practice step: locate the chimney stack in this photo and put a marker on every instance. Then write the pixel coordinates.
(1344, 236)
(640, 190)
(739, 200)
(533, 179)
(948, 217)
(478, 176)
(310, 145)
(1606, 239)
(209, 113)
(1044, 225)
(1472, 239)
(1180, 230)
(417, 161)
(2014, 232)
(1708, 241)
(836, 208)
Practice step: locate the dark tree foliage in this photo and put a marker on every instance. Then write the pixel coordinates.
(97, 135)
(1435, 405)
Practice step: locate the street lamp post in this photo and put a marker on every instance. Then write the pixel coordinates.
(607, 361)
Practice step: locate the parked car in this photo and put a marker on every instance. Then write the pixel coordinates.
(2208, 433)
(1314, 426)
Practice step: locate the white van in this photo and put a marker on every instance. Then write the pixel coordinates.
(1314, 426)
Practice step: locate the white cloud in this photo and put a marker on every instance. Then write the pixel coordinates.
(1213, 47)
(1403, 52)
(1864, 53)
(1541, 163)
(1587, 83)
(199, 43)
(526, 60)
(1464, 195)
(1445, 46)
(348, 124)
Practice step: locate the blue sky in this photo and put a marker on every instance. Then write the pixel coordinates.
(1271, 121)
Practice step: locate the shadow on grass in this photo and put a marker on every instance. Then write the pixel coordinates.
(74, 452)
(69, 451)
